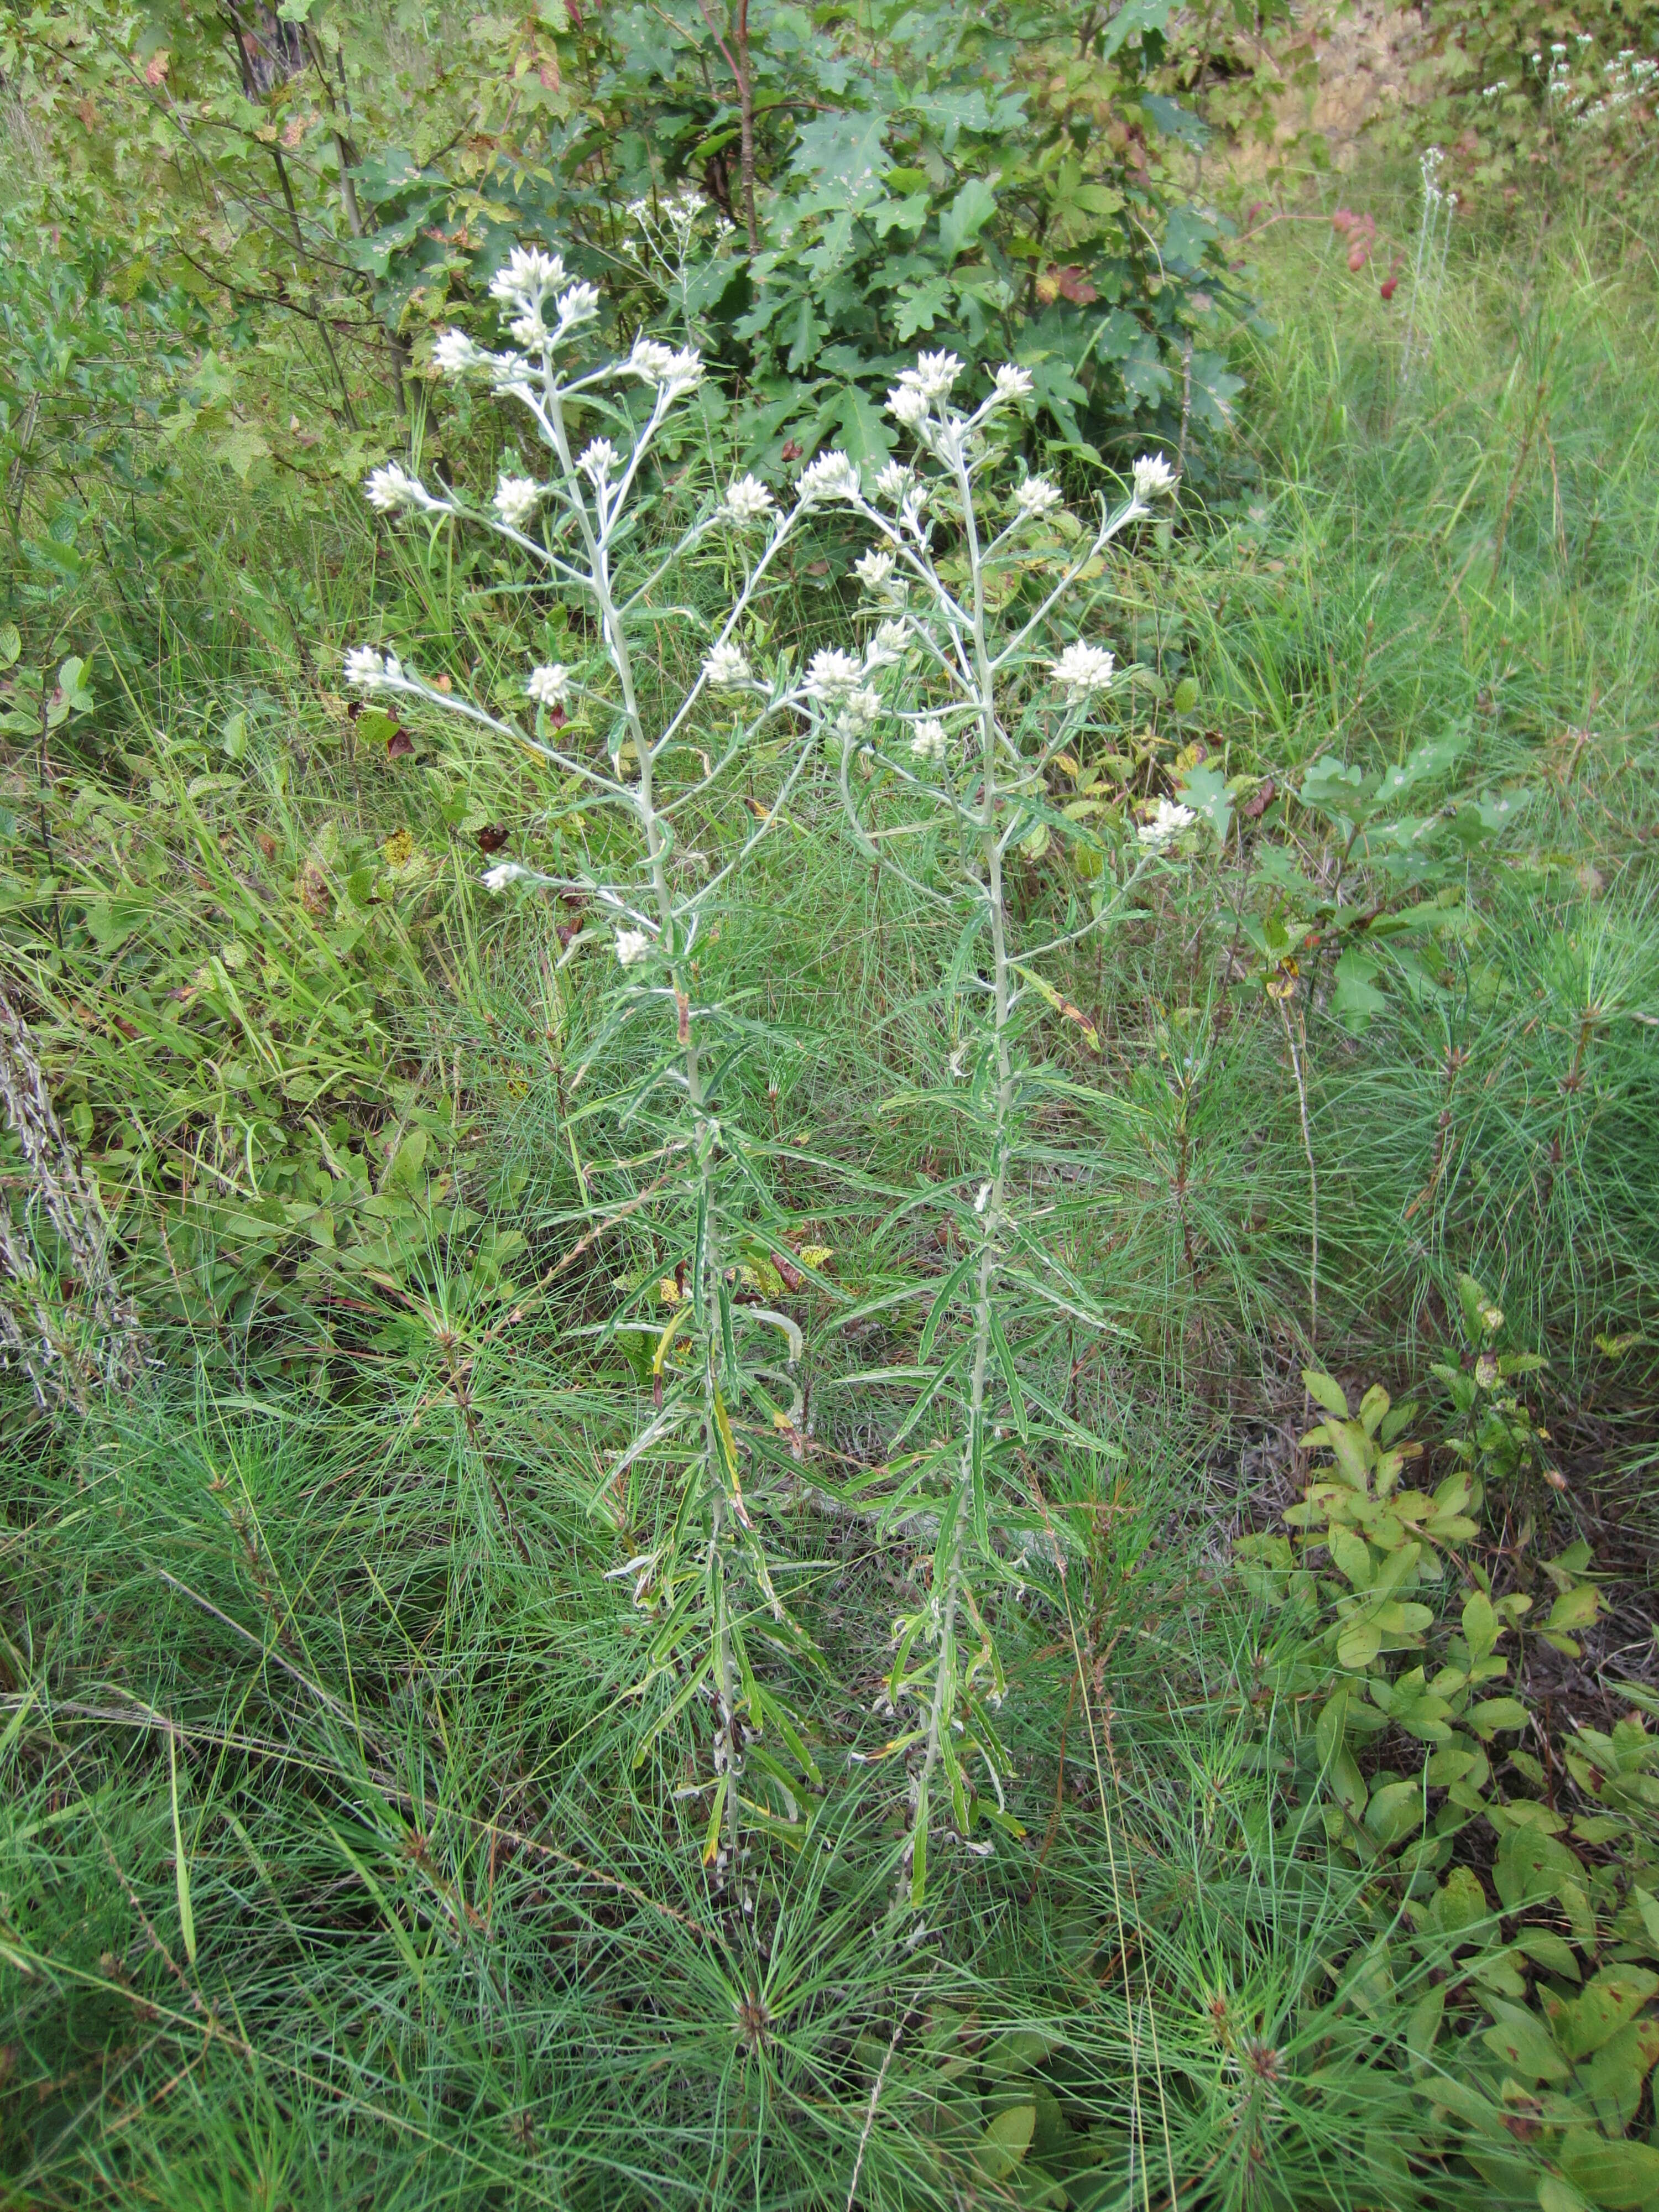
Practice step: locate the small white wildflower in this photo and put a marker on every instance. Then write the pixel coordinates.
(632, 945)
(1153, 475)
(1036, 496)
(596, 460)
(685, 372)
(892, 637)
(392, 487)
(907, 406)
(364, 668)
(508, 372)
(516, 501)
(929, 741)
(649, 360)
(529, 331)
(549, 685)
(873, 568)
(984, 1198)
(832, 673)
(832, 475)
(503, 874)
(747, 500)
(527, 275)
(1168, 822)
(454, 353)
(579, 305)
(670, 372)
(1083, 669)
(893, 482)
(858, 710)
(727, 667)
(1013, 383)
(932, 376)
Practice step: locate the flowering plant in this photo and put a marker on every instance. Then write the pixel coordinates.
(981, 714)
(575, 524)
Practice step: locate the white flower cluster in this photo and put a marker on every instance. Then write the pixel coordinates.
(1169, 821)
(676, 211)
(747, 501)
(393, 487)
(503, 874)
(516, 501)
(368, 671)
(525, 281)
(919, 401)
(836, 680)
(930, 740)
(550, 685)
(1083, 670)
(673, 373)
(1036, 496)
(597, 461)
(875, 571)
(886, 648)
(831, 477)
(1152, 476)
(632, 946)
(728, 668)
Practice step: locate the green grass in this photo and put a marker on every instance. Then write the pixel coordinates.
(342, 1577)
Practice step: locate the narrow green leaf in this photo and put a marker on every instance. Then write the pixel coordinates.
(180, 1863)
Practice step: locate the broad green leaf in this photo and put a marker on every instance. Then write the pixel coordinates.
(1423, 2026)
(1505, 1713)
(1575, 1609)
(1615, 2076)
(1620, 2176)
(1204, 791)
(866, 435)
(1359, 1644)
(1325, 1391)
(1523, 2044)
(1611, 1999)
(846, 147)
(1394, 1812)
(1355, 998)
(1352, 1557)
(1006, 2142)
(1461, 1903)
(918, 307)
(1480, 1624)
(966, 216)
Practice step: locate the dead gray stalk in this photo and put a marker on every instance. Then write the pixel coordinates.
(104, 1343)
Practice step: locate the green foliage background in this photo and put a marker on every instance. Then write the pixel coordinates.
(329, 1873)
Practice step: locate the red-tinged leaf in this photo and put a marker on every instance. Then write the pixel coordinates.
(1065, 280)
(1260, 800)
(491, 837)
(398, 744)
